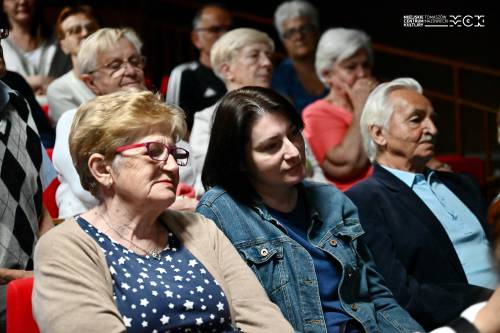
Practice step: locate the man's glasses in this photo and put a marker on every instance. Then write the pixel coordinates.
(302, 30)
(157, 151)
(117, 66)
(77, 29)
(4, 33)
(215, 29)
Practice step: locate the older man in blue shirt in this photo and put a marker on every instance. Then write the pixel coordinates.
(424, 227)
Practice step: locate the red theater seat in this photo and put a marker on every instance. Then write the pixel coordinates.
(19, 315)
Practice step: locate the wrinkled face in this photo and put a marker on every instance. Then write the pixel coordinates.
(410, 133)
(275, 153)
(214, 23)
(76, 28)
(143, 181)
(349, 70)
(105, 79)
(299, 37)
(20, 11)
(252, 66)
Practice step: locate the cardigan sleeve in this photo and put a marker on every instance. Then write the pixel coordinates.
(252, 309)
(72, 286)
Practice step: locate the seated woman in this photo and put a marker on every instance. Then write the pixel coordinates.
(344, 60)
(30, 50)
(130, 264)
(301, 239)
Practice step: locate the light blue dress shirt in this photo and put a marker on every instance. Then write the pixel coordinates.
(461, 225)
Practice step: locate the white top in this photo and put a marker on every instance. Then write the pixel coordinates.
(36, 62)
(65, 93)
(200, 137)
(71, 198)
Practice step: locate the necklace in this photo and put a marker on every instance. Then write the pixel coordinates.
(154, 252)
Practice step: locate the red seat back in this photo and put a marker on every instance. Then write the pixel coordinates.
(461, 164)
(19, 314)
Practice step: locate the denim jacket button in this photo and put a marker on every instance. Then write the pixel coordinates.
(333, 242)
(354, 307)
(264, 252)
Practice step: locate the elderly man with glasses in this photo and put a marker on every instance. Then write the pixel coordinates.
(194, 86)
(67, 92)
(109, 60)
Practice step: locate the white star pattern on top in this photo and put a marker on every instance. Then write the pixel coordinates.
(142, 285)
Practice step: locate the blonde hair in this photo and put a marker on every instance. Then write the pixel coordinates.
(110, 121)
(227, 47)
(100, 41)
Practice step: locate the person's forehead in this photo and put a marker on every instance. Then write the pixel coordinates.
(257, 46)
(214, 15)
(119, 50)
(410, 100)
(295, 22)
(75, 19)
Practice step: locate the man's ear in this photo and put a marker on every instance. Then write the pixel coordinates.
(225, 71)
(89, 81)
(100, 169)
(196, 39)
(377, 135)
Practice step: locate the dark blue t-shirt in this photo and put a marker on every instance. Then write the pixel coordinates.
(297, 222)
(173, 294)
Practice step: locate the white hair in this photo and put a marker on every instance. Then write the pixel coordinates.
(293, 9)
(338, 44)
(379, 108)
(227, 47)
(100, 41)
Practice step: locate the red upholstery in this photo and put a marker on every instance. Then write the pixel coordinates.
(19, 315)
(164, 84)
(471, 165)
(49, 195)
(186, 190)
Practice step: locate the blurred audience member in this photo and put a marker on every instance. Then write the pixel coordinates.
(297, 23)
(30, 49)
(242, 57)
(425, 228)
(109, 60)
(344, 60)
(73, 25)
(193, 86)
(25, 170)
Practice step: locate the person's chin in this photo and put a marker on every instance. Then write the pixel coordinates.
(133, 86)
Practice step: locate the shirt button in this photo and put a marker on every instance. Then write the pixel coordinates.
(264, 252)
(354, 307)
(333, 242)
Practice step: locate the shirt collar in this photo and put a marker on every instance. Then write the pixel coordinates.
(5, 92)
(409, 177)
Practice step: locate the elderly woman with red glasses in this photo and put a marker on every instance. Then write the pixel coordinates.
(130, 264)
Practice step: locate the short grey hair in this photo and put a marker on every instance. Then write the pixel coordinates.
(379, 108)
(227, 47)
(100, 41)
(338, 44)
(292, 9)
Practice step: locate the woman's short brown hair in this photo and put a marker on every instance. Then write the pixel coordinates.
(107, 122)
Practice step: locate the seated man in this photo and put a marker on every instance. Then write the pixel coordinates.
(425, 228)
(109, 60)
(67, 92)
(25, 170)
(193, 86)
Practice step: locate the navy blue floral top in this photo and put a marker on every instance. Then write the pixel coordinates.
(172, 294)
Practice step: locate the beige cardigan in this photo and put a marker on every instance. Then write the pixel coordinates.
(73, 286)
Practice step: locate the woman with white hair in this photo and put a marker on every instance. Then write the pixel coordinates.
(344, 61)
(297, 24)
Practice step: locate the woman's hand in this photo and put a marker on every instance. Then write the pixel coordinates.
(487, 319)
(39, 83)
(359, 92)
(185, 204)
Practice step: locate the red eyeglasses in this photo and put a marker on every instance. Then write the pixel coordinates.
(158, 151)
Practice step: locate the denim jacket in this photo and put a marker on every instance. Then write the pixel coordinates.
(286, 269)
